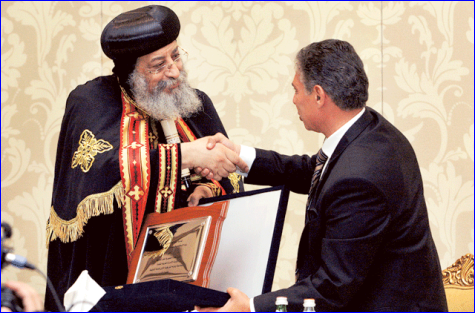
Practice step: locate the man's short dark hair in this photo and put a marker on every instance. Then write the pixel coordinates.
(337, 68)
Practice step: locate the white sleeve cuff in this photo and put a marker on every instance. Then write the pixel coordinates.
(248, 154)
(251, 305)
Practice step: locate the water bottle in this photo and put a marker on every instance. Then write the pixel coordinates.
(309, 305)
(281, 304)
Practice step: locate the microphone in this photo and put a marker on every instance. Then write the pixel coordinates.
(6, 231)
(18, 261)
(7, 256)
(21, 262)
(171, 134)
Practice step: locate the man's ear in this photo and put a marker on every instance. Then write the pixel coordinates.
(319, 94)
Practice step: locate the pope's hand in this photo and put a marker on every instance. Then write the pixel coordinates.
(198, 193)
(220, 161)
(213, 141)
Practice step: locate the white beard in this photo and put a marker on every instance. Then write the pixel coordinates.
(181, 101)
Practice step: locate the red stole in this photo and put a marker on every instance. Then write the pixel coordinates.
(134, 160)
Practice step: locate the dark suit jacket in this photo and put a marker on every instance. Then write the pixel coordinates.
(366, 244)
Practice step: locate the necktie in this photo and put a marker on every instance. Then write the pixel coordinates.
(321, 159)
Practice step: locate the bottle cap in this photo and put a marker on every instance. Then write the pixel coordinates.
(309, 302)
(281, 301)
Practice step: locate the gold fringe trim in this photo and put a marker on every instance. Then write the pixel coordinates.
(93, 205)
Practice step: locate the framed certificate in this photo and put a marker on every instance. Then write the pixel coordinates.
(250, 240)
(228, 241)
(179, 245)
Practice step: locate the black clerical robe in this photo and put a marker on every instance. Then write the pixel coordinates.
(85, 230)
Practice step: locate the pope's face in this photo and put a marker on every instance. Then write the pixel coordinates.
(160, 66)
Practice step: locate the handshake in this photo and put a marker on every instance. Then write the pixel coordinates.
(213, 157)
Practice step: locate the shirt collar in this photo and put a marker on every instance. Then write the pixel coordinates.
(330, 143)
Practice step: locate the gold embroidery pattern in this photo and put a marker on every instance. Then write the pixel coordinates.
(92, 205)
(89, 147)
(235, 178)
(136, 193)
(185, 132)
(167, 182)
(134, 169)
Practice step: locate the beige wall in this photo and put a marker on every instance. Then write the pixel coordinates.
(418, 56)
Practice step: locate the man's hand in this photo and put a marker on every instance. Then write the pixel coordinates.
(238, 302)
(221, 161)
(198, 193)
(30, 298)
(219, 138)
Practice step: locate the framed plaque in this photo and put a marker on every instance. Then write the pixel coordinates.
(179, 245)
(227, 241)
(250, 240)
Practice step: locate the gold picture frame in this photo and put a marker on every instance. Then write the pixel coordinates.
(179, 245)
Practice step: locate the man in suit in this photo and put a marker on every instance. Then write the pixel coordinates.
(366, 244)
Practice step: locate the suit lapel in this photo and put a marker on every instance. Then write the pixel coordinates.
(353, 132)
(312, 216)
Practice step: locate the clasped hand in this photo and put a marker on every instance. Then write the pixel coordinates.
(215, 157)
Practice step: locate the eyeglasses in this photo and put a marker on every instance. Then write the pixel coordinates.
(179, 55)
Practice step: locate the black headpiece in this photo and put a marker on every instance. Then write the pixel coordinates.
(139, 32)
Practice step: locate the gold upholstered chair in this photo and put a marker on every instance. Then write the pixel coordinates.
(458, 283)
